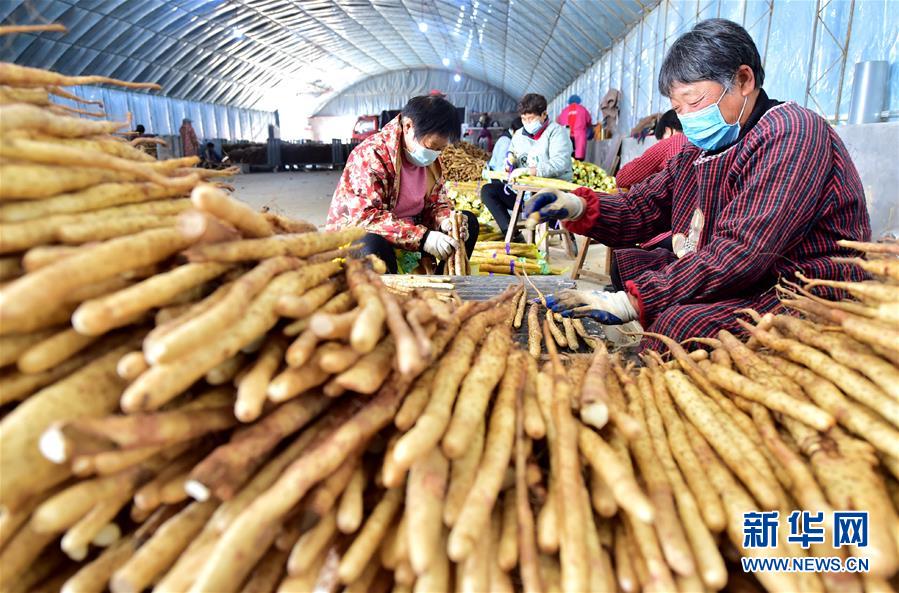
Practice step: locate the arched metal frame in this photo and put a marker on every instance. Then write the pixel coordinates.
(242, 52)
(259, 53)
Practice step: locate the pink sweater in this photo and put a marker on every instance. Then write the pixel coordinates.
(413, 186)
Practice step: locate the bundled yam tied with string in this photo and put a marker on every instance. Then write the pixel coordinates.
(514, 258)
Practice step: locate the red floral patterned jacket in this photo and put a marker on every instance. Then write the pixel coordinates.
(370, 187)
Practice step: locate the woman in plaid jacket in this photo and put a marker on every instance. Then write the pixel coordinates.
(763, 190)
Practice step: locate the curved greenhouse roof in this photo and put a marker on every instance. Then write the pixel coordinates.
(244, 52)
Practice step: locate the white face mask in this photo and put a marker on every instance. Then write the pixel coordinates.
(419, 155)
(533, 126)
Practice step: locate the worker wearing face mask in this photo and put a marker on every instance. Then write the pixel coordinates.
(763, 190)
(540, 148)
(393, 187)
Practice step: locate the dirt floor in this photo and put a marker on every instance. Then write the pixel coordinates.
(307, 194)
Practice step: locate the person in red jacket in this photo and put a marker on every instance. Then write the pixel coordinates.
(765, 189)
(671, 140)
(577, 119)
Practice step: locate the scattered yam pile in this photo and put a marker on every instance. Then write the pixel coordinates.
(221, 402)
(402, 441)
(463, 161)
(566, 333)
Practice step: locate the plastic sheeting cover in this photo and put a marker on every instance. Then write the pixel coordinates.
(798, 66)
(392, 90)
(162, 116)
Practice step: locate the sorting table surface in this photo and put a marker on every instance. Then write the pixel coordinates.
(481, 288)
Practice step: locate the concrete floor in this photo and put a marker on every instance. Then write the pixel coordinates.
(298, 194)
(307, 194)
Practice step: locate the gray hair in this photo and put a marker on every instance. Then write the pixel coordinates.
(714, 49)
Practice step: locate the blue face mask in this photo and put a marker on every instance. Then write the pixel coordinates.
(707, 128)
(419, 155)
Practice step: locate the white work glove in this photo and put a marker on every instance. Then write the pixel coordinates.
(625, 335)
(555, 204)
(440, 245)
(516, 173)
(447, 227)
(608, 308)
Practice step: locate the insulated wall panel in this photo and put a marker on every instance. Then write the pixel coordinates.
(163, 115)
(802, 44)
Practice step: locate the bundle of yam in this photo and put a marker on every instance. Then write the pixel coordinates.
(458, 264)
(497, 257)
(534, 182)
(489, 233)
(463, 161)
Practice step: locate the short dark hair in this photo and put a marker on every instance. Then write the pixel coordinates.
(532, 103)
(433, 114)
(516, 124)
(140, 129)
(714, 49)
(669, 119)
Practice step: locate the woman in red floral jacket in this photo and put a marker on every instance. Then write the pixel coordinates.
(763, 190)
(393, 186)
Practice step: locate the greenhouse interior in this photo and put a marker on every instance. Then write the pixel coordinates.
(483, 296)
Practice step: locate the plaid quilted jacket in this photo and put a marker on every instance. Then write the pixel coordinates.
(370, 187)
(773, 203)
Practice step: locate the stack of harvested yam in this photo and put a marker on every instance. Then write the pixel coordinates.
(250, 463)
(590, 175)
(463, 161)
(219, 403)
